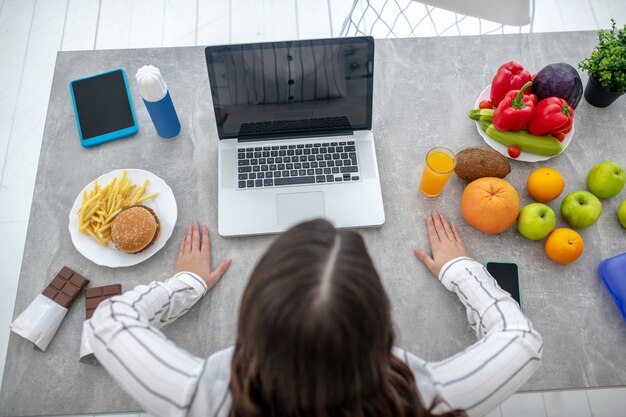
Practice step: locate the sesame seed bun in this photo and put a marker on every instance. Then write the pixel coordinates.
(135, 229)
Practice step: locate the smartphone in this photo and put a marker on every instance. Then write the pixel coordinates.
(507, 276)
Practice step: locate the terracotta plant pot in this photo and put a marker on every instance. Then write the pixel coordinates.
(597, 96)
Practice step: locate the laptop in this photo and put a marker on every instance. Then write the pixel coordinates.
(295, 143)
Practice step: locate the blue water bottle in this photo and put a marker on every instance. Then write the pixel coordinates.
(158, 101)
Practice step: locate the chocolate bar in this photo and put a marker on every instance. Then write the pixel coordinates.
(65, 287)
(98, 294)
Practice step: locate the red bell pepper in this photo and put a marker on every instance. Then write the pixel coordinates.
(552, 115)
(510, 76)
(514, 111)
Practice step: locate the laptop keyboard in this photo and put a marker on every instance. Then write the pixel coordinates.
(310, 163)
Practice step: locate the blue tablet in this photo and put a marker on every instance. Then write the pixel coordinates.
(104, 111)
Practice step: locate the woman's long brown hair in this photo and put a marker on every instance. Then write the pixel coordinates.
(315, 334)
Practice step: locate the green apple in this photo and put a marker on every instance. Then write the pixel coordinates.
(621, 214)
(536, 221)
(581, 209)
(606, 179)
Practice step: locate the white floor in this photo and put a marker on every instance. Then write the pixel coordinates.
(31, 32)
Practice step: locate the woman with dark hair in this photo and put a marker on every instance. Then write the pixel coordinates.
(315, 335)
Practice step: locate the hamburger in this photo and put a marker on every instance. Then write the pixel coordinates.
(135, 229)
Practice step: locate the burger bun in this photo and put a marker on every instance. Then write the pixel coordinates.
(135, 229)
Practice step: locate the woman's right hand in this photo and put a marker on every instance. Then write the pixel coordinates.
(445, 243)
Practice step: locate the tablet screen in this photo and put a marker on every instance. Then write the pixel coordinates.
(102, 104)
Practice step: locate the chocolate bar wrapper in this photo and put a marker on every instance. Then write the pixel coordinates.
(86, 352)
(40, 321)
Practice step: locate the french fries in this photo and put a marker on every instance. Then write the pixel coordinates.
(102, 204)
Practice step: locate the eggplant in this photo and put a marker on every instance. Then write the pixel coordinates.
(559, 80)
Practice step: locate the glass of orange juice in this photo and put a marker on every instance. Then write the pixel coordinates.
(439, 164)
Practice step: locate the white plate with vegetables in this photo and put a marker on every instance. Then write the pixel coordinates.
(503, 149)
(139, 187)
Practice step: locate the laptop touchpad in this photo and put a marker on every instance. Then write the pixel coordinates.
(293, 208)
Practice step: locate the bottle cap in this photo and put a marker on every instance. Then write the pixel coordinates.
(151, 85)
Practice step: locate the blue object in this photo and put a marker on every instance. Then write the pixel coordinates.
(164, 116)
(612, 271)
(103, 109)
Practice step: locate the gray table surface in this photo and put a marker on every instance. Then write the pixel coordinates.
(422, 91)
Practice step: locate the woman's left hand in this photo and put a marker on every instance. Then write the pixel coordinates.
(445, 243)
(194, 255)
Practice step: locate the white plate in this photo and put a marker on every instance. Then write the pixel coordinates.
(524, 156)
(164, 205)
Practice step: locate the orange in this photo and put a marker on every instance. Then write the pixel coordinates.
(490, 204)
(545, 184)
(564, 245)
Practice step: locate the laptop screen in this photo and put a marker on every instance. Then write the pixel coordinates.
(295, 88)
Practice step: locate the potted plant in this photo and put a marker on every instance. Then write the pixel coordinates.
(606, 67)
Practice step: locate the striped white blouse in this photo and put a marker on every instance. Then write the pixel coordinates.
(168, 381)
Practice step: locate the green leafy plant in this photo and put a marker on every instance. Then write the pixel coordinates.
(607, 63)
